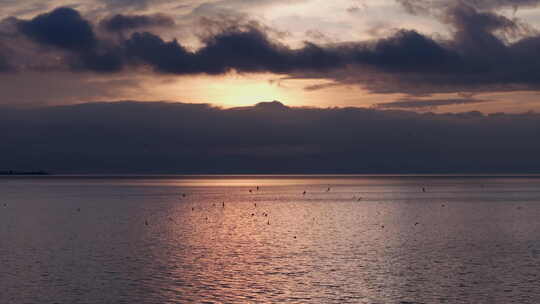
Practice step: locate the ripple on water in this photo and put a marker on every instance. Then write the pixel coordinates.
(86, 241)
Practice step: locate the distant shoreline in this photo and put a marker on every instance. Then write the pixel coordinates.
(265, 176)
(14, 172)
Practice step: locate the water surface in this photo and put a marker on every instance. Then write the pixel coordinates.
(348, 239)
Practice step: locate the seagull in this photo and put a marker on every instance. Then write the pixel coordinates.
(423, 189)
(304, 193)
(328, 190)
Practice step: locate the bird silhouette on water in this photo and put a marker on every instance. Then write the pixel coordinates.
(304, 193)
(146, 222)
(257, 188)
(423, 189)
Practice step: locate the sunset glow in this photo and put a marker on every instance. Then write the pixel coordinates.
(243, 91)
(269, 151)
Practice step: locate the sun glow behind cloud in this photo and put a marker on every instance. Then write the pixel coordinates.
(239, 90)
(235, 89)
(230, 90)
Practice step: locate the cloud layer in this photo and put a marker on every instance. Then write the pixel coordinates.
(427, 104)
(487, 52)
(131, 137)
(431, 6)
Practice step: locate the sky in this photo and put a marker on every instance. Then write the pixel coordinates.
(270, 86)
(419, 55)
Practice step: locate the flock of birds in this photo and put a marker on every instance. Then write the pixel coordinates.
(265, 214)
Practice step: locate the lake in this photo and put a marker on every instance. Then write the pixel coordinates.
(294, 239)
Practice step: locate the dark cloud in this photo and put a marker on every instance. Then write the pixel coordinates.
(132, 137)
(65, 29)
(489, 4)
(243, 50)
(427, 103)
(251, 50)
(119, 22)
(417, 7)
(102, 60)
(168, 57)
(475, 31)
(479, 58)
(62, 27)
(476, 59)
(407, 50)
